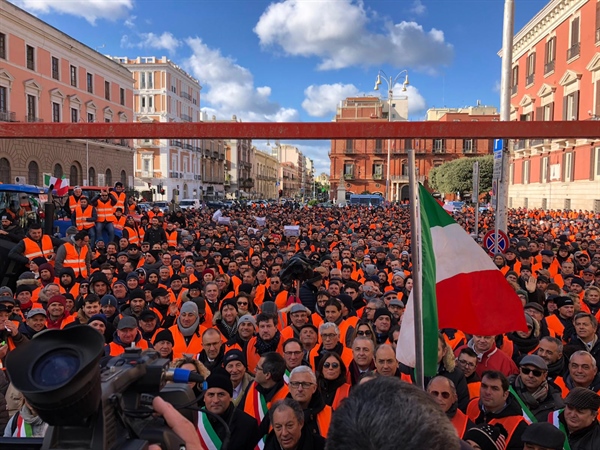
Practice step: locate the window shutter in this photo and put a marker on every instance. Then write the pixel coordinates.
(551, 111)
(539, 113)
(573, 166)
(565, 103)
(597, 110)
(592, 165)
(575, 105)
(575, 31)
(563, 172)
(532, 68)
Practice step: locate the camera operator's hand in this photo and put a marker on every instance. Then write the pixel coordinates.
(179, 424)
(10, 326)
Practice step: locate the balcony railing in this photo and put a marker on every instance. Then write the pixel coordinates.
(348, 150)
(520, 144)
(378, 176)
(175, 143)
(7, 116)
(549, 67)
(514, 89)
(348, 176)
(188, 146)
(186, 118)
(529, 79)
(573, 51)
(186, 95)
(29, 118)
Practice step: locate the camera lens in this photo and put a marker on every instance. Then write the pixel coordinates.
(55, 368)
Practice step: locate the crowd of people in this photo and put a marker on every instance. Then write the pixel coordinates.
(302, 359)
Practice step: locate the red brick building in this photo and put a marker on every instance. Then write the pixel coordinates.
(363, 162)
(556, 76)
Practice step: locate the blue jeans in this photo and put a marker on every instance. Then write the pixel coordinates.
(110, 231)
(92, 234)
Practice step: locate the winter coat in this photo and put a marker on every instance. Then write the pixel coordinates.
(244, 429)
(308, 441)
(308, 295)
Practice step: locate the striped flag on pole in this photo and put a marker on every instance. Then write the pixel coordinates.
(61, 185)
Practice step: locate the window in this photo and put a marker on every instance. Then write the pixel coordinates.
(55, 112)
(90, 83)
(31, 108)
(550, 55)
(514, 80)
(568, 167)
(597, 22)
(74, 115)
(438, 145)
(511, 174)
(107, 90)
(3, 99)
(548, 112)
(349, 145)
(142, 80)
(122, 96)
(378, 145)
(571, 106)
(143, 101)
(55, 73)
(150, 81)
(545, 162)
(526, 172)
(468, 145)
(73, 76)
(573, 49)
(147, 166)
(597, 163)
(91, 118)
(348, 169)
(33, 173)
(30, 57)
(2, 46)
(530, 69)
(378, 171)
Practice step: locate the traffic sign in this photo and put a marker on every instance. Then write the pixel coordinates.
(489, 240)
(498, 155)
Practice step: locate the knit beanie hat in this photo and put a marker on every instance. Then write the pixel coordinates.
(164, 335)
(220, 379)
(234, 355)
(109, 299)
(100, 317)
(382, 312)
(489, 437)
(58, 299)
(137, 293)
(189, 307)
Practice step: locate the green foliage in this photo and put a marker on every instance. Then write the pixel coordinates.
(457, 175)
(313, 202)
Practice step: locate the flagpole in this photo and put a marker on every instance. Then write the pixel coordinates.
(417, 298)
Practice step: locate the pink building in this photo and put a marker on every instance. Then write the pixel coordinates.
(47, 76)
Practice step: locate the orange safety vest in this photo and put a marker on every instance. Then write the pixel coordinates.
(253, 405)
(342, 392)
(171, 238)
(120, 200)
(252, 355)
(460, 421)
(105, 211)
(76, 260)
(474, 389)
(81, 215)
(73, 202)
(116, 349)
(555, 325)
(324, 420)
(180, 347)
(35, 250)
(119, 223)
(510, 423)
(132, 235)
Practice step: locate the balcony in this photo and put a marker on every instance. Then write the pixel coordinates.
(32, 119)
(173, 174)
(7, 116)
(378, 176)
(399, 178)
(573, 51)
(549, 67)
(520, 144)
(207, 153)
(529, 79)
(215, 155)
(535, 143)
(174, 143)
(348, 176)
(349, 150)
(221, 156)
(188, 146)
(198, 177)
(186, 96)
(186, 118)
(514, 89)
(248, 183)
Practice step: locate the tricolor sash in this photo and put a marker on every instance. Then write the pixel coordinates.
(23, 428)
(527, 414)
(286, 377)
(208, 435)
(554, 420)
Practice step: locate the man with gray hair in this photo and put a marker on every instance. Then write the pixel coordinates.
(386, 414)
(583, 372)
(443, 391)
(303, 388)
(289, 432)
(330, 338)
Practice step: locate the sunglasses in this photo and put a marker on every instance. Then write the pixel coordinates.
(364, 333)
(332, 365)
(242, 303)
(535, 372)
(445, 395)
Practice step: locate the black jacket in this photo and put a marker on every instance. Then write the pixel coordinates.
(308, 295)
(586, 439)
(460, 382)
(308, 441)
(541, 409)
(512, 408)
(574, 344)
(243, 429)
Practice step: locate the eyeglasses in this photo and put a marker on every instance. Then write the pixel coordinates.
(297, 353)
(329, 336)
(220, 281)
(364, 333)
(462, 362)
(445, 395)
(242, 303)
(369, 309)
(332, 365)
(258, 368)
(536, 373)
(304, 384)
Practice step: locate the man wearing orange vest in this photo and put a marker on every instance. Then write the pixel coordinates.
(172, 234)
(127, 336)
(10, 337)
(444, 393)
(75, 254)
(35, 245)
(187, 331)
(303, 388)
(120, 221)
(105, 206)
(497, 405)
(84, 217)
(73, 201)
(119, 194)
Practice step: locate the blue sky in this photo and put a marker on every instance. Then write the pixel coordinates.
(294, 60)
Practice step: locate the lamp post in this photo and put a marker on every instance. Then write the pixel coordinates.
(390, 82)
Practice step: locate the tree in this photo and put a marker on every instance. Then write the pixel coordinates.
(457, 175)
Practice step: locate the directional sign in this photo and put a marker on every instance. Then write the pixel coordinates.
(489, 240)
(498, 147)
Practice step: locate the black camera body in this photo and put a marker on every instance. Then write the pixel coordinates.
(87, 407)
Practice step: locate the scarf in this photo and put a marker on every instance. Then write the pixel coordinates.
(229, 330)
(329, 388)
(189, 331)
(531, 399)
(524, 345)
(263, 346)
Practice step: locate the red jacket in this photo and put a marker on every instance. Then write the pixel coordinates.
(493, 359)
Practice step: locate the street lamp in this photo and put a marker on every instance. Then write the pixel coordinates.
(390, 82)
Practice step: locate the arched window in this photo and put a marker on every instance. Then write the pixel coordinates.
(124, 178)
(74, 177)
(33, 173)
(58, 171)
(5, 171)
(92, 177)
(108, 178)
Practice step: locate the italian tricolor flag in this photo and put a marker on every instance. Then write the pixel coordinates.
(461, 287)
(61, 185)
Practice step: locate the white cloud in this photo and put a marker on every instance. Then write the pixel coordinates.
(90, 10)
(231, 89)
(165, 41)
(339, 34)
(418, 8)
(321, 101)
(416, 102)
(130, 22)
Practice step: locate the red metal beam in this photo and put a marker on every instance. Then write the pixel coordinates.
(305, 130)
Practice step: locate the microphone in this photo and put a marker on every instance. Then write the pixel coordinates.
(183, 376)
